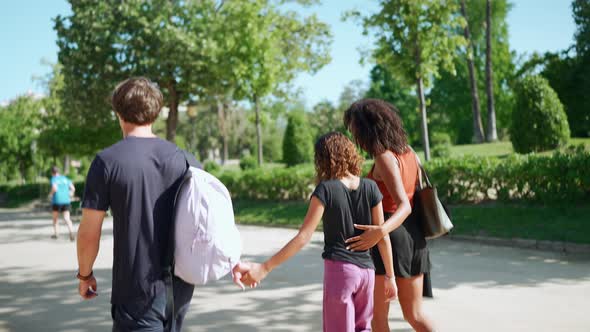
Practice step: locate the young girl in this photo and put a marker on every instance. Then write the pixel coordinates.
(341, 199)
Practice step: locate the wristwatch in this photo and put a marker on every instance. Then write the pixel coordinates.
(85, 278)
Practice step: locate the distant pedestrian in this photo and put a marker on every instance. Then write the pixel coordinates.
(62, 189)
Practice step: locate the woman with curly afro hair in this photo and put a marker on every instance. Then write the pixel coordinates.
(342, 199)
(378, 130)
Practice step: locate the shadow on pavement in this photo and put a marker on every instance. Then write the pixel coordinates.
(455, 263)
(290, 299)
(50, 302)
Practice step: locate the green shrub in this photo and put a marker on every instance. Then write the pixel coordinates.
(441, 145)
(561, 177)
(211, 166)
(298, 141)
(248, 162)
(441, 151)
(539, 122)
(293, 183)
(15, 195)
(440, 138)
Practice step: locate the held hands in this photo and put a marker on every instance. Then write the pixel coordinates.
(238, 273)
(248, 274)
(257, 272)
(390, 289)
(371, 236)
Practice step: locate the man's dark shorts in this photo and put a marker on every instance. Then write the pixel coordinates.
(60, 207)
(152, 318)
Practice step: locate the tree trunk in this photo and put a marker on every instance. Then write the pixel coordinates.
(222, 128)
(226, 128)
(172, 121)
(424, 123)
(23, 172)
(66, 169)
(421, 100)
(258, 129)
(478, 135)
(492, 134)
(193, 141)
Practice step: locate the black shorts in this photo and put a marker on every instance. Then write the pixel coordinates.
(410, 253)
(60, 207)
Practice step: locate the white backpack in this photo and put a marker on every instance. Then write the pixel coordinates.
(207, 241)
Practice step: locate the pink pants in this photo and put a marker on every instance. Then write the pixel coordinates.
(348, 297)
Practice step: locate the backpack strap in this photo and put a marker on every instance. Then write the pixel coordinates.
(168, 261)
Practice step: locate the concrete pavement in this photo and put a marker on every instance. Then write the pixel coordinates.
(476, 287)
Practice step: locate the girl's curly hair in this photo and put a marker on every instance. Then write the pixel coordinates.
(335, 156)
(376, 126)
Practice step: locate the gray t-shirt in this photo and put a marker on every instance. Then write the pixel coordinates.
(137, 178)
(343, 208)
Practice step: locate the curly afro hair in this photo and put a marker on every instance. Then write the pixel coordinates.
(376, 126)
(335, 157)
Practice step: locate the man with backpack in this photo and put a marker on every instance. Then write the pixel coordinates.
(137, 178)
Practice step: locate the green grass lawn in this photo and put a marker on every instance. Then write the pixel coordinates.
(490, 149)
(553, 223)
(576, 141)
(270, 213)
(496, 149)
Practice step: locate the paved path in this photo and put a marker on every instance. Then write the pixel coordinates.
(477, 287)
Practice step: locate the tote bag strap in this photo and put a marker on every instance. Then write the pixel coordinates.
(423, 180)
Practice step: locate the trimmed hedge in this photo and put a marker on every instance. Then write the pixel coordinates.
(248, 162)
(15, 195)
(561, 177)
(294, 183)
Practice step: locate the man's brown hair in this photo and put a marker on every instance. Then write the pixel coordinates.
(335, 156)
(137, 100)
(376, 126)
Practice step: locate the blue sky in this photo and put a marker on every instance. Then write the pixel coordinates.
(27, 37)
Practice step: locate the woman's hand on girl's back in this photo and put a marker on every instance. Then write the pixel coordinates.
(371, 236)
(390, 289)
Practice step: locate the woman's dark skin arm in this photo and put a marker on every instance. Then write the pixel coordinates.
(386, 170)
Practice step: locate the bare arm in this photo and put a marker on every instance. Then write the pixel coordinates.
(386, 255)
(391, 175)
(385, 244)
(387, 167)
(88, 244)
(312, 219)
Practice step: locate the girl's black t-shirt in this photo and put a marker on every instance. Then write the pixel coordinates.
(344, 207)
